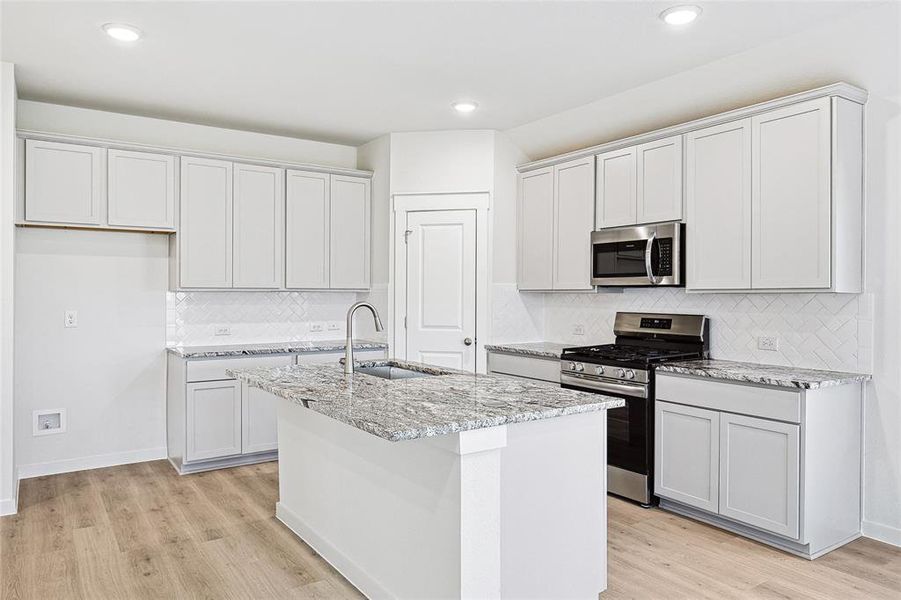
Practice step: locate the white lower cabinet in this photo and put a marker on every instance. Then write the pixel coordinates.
(779, 465)
(259, 425)
(758, 473)
(213, 420)
(687, 441)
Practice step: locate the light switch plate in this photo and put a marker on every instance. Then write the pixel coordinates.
(222, 330)
(334, 326)
(317, 326)
(70, 319)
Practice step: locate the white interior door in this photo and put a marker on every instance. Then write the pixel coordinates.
(441, 288)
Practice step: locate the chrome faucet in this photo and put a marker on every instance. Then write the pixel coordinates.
(349, 348)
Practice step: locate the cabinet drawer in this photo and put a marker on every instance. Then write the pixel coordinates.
(545, 369)
(214, 369)
(756, 401)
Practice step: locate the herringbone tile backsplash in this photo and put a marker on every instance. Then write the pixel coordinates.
(827, 331)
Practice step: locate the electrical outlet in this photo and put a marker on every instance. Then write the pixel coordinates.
(316, 326)
(578, 329)
(334, 326)
(49, 421)
(766, 342)
(222, 330)
(70, 318)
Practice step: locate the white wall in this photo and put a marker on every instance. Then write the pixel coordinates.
(442, 161)
(862, 49)
(109, 373)
(8, 480)
(55, 118)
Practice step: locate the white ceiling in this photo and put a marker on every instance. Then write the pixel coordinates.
(349, 72)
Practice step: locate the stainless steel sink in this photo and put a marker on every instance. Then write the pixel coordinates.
(392, 372)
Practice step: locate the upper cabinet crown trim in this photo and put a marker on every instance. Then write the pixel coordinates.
(840, 89)
(47, 136)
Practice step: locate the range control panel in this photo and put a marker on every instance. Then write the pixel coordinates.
(655, 323)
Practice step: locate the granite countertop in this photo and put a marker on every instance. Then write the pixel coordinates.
(288, 347)
(782, 376)
(540, 349)
(407, 409)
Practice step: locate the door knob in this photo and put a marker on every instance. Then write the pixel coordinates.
(467, 341)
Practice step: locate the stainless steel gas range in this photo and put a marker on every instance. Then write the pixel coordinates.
(626, 369)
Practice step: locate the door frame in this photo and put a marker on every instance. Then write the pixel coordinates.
(401, 204)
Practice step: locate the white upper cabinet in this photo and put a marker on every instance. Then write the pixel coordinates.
(718, 207)
(536, 230)
(205, 228)
(659, 174)
(259, 224)
(349, 232)
(616, 188)
(307, 230)
(574, 201)
(141, 189)
(791, 198)
(64, 183)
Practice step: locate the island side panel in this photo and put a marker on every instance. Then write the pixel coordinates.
(554, 508)
(387, 515)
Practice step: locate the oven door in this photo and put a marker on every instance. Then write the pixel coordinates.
(629, 452)
(637, 256)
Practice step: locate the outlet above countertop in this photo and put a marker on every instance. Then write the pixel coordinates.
(263, 348)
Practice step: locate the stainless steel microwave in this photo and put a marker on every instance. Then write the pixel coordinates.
(646, 255)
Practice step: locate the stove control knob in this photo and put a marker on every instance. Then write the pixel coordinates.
(630, 374)
(580, 367)
(599, 370)
(572, 366)
(622, 372)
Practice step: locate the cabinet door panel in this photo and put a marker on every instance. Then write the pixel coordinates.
(141, 189)
(616, 188)
(349, 233)
(63, 182)
(536, 230)
(759, 473)
(213, 420)
(791, 199)
(258, 227)
(659, 180)
(718, 223)
(574, 214)
(686, 455)
(205, 230)
(259, 424)
(307, 230)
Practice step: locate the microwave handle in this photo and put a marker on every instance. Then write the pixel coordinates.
(654, 279)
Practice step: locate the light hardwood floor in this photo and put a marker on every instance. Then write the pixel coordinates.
(141, 531)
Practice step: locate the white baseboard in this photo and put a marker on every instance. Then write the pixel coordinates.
(354, 574)
(97, 461)
(883, 533)
(10, 506)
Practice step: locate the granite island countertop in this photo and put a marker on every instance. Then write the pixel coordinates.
(539, 349)
(405, 409)
(263, 348)
(777, 375)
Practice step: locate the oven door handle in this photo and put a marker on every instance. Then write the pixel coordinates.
(649, 267)
(626, 389)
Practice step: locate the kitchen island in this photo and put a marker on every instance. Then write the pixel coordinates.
(421, 482)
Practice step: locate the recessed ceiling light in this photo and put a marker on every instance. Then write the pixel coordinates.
(680, 15)
(465, 106)
(122, 32)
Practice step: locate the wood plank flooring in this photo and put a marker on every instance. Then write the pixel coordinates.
(141, 531)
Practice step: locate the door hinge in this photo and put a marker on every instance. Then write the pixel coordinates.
(407, 236)
(405, 321)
